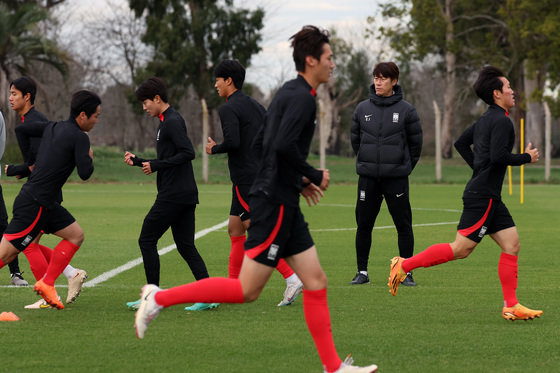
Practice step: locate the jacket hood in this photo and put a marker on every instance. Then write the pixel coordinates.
(385, 101)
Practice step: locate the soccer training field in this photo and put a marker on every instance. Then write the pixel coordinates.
(451, 322)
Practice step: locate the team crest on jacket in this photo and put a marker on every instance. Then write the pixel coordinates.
(395, 117)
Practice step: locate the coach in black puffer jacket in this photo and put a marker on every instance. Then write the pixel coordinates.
(386, 136)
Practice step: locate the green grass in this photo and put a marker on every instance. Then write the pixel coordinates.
(450, 322)
(110, 168)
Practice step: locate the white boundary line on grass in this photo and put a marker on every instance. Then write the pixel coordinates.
(133, 263)
(384, 227)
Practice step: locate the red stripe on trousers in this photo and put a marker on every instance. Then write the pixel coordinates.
(467, 231)
(255, 251)
(243, 203)
(13, 236)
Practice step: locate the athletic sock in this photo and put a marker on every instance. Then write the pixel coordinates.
(63, 253)
(284, 268)
(293, 279)
(436, 254)
(316, 311)
(2, 264)
(69, 272)
(47, 252)
(207, 290)
(236, 255)
(37, 261)
(507, 271)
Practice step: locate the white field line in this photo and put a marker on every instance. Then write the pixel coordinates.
(384, 227)
(133, 263)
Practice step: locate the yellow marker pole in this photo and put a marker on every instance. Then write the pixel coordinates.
(522, 146)
(509, 181)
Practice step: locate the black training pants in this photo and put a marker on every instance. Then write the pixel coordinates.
(160, 218)
(371, 192)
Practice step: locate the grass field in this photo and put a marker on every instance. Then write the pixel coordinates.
(450, 322)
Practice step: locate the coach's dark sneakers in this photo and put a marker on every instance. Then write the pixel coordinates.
(360, 279)
(408, 280)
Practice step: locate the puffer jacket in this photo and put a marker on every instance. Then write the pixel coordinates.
(386, 135)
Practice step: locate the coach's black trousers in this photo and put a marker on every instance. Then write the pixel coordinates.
(160, 218)
(371, 192)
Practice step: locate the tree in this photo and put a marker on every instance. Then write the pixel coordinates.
(190, 37)
(47, 4)
(22, 45)
(459, 35)
(115, 57)
(534, 40)
(347, 86)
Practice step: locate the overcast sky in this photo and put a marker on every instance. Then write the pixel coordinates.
(283, 18)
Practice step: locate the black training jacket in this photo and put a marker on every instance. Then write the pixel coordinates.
(493, 137)
(386, 135)
(283, 144)
(29, 133)
(242, 117)
(175, 177)
(64, 147)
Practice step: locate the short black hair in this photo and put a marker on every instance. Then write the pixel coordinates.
(26, 85)
(487, 82)
(231, 69)
(85, 101)
(308, 41)
(150, 88)
(387, 70)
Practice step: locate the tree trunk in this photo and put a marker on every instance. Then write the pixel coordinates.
(535, 110)
(328, 106)
(450, 93)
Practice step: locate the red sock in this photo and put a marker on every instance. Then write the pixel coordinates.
(63, 253)
(207, 290)
(37, 261)
(316, 311)
(2, 264)
(47, 252)
(436, 254)
(507, 270)
(284, 268)
(236, 255)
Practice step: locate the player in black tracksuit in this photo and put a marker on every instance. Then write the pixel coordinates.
(28, 134)
(278, 229)
(33, 122)
(386, 136)
(64, 146)
(486, 147)
(177, 192)
(242, 118)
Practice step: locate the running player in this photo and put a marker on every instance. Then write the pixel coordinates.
(492, 138)
(177, 192)
(241, 118)
(29, 133)
(64, 146)
(278, 229)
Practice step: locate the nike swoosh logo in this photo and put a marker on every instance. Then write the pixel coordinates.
(400, 195)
